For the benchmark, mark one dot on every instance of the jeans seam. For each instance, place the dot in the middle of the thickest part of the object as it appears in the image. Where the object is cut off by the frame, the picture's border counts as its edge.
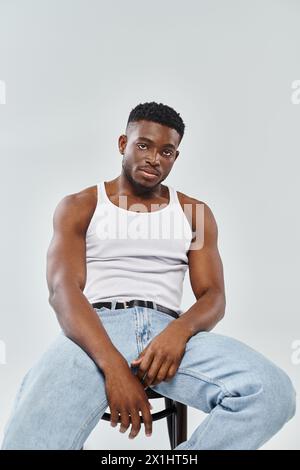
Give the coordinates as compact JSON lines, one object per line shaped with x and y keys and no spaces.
{"x":149,"y":334}
{"x":209,"y":418}
{"x":90,"y":418}
{"x":139,"y":341}
{"x":16,"y":401}
{"x":24,"y":380}
{"x":205,"y":378}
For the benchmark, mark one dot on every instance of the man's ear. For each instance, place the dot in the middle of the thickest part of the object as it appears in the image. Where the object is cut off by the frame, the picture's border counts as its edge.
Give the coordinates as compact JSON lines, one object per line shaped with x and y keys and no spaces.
{"x":122,"y":143}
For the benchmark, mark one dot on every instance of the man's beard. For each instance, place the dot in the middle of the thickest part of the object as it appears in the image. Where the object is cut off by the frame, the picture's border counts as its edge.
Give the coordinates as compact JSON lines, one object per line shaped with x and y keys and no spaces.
{"x":140,"y":188}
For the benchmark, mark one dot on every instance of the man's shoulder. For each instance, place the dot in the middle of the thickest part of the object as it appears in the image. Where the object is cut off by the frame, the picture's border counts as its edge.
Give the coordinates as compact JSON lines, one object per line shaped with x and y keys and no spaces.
{"x":81,"y":199}
{"x":188,"y":199}
{"x":194,"y":203}
{"x":77,"y":207}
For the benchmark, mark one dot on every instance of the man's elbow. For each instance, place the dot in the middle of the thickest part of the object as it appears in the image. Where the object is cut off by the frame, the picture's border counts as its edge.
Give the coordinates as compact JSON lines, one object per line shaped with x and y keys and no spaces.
{"x":219,"y":303}
{"x":222,"y":305}
{"x":52,"y":296}
{"x":55,"y":289}
{"x":62,"y":287}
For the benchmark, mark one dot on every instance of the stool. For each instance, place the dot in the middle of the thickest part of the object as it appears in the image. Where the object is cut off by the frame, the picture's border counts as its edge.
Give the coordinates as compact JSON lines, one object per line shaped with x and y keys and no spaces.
{"x":176,"y":414}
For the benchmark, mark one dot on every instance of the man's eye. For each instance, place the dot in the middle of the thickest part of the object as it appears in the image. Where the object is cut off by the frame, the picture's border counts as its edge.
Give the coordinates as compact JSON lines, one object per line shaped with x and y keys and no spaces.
{"x":169,"y":152}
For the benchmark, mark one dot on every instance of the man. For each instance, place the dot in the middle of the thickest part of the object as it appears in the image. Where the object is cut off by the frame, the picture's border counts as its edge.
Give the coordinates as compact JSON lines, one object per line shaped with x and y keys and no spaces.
{"x":117,"y":298}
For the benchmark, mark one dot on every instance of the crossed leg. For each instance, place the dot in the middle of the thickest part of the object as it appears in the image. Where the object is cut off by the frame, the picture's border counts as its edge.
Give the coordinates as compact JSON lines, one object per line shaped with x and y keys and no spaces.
{"x":248,"y":398}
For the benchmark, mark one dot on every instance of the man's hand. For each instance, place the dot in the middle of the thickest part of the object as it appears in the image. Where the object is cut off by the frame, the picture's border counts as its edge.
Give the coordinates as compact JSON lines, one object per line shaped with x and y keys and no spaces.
{"x":161,"y":358}
{"x":127,"y":398}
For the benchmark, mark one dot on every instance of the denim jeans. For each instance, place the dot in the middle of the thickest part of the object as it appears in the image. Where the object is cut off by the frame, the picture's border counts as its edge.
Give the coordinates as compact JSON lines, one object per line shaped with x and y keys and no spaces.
{"x":62,"y":396}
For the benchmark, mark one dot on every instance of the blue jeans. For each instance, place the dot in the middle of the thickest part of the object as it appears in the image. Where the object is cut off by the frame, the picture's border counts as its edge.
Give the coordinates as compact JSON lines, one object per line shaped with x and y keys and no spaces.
{"x":62,"y":397}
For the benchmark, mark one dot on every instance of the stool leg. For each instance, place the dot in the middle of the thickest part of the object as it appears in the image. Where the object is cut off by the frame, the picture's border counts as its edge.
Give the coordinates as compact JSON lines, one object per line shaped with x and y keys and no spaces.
{"x":170,"y":422}
{"x":177,"y":423}
{"x":181,"y":423}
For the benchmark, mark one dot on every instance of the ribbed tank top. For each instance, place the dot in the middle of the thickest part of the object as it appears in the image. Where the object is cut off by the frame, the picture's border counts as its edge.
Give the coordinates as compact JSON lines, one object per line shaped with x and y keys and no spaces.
{"x":137,"y":255}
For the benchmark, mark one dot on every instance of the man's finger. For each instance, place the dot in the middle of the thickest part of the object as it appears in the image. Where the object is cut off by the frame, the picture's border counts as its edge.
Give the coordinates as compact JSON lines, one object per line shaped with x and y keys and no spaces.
{"x":136,"y":361}
{"x":171,"y":372}
{"x":145,"y":364}
{"x":161,"y":373}
{"x":147,"y":418}
{"x":152,"y":371}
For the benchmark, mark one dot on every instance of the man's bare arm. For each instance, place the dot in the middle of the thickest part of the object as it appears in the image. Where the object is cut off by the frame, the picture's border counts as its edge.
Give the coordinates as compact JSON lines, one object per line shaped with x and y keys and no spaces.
{"x":206,"y":276}
{"x":66,"y":277}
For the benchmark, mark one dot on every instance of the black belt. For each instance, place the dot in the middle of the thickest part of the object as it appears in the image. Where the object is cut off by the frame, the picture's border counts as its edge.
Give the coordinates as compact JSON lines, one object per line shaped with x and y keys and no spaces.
{"x":141,"y":303}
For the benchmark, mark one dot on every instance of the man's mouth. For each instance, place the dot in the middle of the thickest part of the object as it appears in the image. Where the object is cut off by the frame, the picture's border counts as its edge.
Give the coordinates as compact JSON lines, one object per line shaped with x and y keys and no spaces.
{"x":149,"y":175}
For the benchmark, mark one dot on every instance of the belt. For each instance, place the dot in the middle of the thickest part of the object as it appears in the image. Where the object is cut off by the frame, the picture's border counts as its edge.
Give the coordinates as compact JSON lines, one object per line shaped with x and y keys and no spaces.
{"x":137,"y":302}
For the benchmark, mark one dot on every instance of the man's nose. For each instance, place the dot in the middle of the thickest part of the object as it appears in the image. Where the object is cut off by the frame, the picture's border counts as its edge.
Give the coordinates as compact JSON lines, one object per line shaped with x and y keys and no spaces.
{"x":154,"y":158}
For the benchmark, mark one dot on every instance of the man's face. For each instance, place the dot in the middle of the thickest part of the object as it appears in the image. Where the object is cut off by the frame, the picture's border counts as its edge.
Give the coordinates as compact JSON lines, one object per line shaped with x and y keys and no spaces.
{"x":150,"y":145}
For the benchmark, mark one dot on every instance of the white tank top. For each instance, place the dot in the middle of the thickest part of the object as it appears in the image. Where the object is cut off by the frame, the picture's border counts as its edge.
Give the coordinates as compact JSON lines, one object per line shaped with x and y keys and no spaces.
{"x":137,"y":255}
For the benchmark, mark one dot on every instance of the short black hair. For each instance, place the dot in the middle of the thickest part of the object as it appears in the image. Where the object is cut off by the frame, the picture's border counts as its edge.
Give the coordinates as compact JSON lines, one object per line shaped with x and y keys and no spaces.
{"x":157,"y":112}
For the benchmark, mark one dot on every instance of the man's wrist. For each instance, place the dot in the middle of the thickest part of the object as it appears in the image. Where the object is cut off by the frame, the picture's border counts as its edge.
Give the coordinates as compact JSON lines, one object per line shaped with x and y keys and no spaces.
{"x":183,"y":328}
{"x":111,"y":362}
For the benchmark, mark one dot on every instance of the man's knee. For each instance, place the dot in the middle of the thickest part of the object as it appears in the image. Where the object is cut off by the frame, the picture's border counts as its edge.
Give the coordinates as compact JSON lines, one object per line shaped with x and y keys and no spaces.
{"x":274,"y":395}
{"x":280,"y":394}
{"x":266,"y":388}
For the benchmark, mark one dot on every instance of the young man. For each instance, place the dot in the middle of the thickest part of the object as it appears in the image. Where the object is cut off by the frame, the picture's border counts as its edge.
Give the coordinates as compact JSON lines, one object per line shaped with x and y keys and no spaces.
{"x":115,"y":284}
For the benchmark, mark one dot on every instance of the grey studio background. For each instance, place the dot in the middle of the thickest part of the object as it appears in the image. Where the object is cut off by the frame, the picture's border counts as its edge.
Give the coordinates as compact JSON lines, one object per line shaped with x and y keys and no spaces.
{"x":70,"y":73}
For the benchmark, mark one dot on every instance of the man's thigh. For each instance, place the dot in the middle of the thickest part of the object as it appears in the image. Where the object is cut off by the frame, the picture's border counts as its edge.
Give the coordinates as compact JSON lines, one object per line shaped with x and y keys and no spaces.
{"x":60,"y":398}
{"x":215,"y":366}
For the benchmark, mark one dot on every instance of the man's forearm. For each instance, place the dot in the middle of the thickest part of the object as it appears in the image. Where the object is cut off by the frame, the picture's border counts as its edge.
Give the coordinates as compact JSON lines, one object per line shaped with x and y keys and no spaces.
{"x":203,"y":315}
{"x":81,"y":323}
